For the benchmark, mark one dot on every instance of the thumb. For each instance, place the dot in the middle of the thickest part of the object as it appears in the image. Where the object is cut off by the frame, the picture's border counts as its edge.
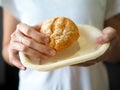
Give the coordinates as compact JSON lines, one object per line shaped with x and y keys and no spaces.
{"x":108,"y":35}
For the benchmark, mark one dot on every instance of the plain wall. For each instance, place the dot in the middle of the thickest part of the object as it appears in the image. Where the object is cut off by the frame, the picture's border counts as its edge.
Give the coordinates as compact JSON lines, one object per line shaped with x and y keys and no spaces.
{"x":2,"y":64}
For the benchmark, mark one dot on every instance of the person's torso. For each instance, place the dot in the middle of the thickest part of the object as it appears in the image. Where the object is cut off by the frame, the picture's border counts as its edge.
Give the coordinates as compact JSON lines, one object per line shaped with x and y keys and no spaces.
{"x":80,"y":11}
{"x":90,"y":12}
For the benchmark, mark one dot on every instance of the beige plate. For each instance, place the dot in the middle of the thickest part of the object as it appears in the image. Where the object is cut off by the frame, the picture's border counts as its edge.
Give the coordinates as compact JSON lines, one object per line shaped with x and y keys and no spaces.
{"x":85,"y":49}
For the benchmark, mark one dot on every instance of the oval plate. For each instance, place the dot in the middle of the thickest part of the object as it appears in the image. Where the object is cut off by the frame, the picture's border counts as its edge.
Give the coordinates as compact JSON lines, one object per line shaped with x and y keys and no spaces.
{"x":85,"y":49}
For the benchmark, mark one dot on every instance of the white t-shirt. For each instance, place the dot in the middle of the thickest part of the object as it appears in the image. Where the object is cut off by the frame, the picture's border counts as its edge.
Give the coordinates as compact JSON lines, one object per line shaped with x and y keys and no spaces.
{"x":92,"y":12}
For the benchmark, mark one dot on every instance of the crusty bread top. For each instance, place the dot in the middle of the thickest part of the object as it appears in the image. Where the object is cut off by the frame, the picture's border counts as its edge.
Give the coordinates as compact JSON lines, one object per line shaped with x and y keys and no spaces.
{"x":62,"y":32}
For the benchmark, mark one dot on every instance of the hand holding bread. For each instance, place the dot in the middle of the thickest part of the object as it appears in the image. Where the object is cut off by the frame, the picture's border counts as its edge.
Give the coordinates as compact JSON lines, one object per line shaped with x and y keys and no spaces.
{"x":74,"y":44}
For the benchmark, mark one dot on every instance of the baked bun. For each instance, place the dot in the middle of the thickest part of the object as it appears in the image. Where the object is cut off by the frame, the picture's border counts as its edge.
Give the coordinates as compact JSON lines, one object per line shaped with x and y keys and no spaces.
{"x":62,"y":32}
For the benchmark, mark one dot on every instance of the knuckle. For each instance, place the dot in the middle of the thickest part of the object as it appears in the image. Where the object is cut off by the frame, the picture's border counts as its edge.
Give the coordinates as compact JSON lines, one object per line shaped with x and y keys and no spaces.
{"x":30,"y":42}
{"x":24,"y":28}
{"x":27,"y":30}
{"x":24,"y":48}
{"x":19,"y":26}
{"x":12,"y":35}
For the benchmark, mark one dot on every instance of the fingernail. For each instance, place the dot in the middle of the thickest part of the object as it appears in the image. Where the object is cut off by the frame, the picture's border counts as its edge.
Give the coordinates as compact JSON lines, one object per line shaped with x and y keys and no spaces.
{"x":17,"y":26}
{"x":23,"y":68}
{"x":100,"y":40}
{"x":52,"y":52}
{"x":46,"y":40}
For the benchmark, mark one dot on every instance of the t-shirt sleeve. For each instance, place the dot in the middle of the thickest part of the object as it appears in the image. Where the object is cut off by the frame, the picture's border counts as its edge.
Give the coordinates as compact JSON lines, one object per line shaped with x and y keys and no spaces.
{"x":113,"y":8}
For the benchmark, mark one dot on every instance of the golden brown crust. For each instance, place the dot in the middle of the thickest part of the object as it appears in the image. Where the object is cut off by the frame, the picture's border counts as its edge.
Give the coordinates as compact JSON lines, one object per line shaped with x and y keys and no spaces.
{"x":62,"y":32}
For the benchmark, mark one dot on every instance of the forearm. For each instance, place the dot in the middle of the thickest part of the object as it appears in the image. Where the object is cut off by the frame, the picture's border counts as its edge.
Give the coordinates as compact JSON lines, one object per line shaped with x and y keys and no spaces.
{"x":5,"y":53}
{"x":9,"y":25}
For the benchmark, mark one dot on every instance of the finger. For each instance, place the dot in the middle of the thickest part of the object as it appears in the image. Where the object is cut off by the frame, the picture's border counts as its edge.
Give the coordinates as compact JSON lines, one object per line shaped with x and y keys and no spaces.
{"x":35,"y":60}
{"x":86,"y":64}
{"x":108,"y":35}
{"x":14,"y":60}
{"x":37,"y":27}
{"x":35,"y":45}
{"x":32,"y":33}
{"x":28,"y":51}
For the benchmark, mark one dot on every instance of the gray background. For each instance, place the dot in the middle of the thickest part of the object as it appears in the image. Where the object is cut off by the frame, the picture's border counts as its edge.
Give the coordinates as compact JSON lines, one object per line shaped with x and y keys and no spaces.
{"x":2,"y":65}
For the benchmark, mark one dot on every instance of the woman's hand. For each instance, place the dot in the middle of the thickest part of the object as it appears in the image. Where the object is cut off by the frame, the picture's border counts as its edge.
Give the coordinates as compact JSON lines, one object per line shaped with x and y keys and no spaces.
{"x":112,"y":54}
{"x":31,"y":42}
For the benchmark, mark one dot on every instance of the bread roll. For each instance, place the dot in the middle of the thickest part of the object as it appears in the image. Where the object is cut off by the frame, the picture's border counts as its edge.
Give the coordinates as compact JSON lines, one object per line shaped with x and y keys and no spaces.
{"x":62,"y":32}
